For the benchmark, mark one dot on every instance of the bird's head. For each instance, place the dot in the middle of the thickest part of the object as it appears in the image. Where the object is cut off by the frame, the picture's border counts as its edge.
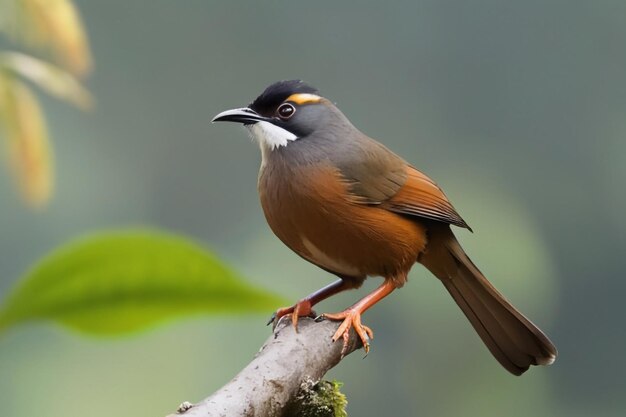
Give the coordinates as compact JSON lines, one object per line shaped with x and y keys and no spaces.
{"x":286,"y":111}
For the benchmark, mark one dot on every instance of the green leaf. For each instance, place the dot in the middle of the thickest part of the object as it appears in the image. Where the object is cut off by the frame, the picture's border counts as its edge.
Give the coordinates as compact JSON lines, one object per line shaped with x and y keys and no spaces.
{"x":118,"y":282}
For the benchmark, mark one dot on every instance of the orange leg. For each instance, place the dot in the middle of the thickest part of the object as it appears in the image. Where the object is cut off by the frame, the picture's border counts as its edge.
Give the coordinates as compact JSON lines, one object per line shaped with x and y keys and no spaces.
{"x":352,"y":317}
{"x":303,"y":308}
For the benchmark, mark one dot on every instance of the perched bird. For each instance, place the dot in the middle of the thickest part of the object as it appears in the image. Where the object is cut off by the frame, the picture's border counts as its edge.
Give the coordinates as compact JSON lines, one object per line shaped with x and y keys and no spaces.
{"x":349,"y":205}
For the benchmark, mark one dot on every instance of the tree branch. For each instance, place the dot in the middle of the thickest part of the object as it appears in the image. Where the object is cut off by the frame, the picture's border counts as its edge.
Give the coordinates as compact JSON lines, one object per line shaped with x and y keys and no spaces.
{"x":270,"y":384}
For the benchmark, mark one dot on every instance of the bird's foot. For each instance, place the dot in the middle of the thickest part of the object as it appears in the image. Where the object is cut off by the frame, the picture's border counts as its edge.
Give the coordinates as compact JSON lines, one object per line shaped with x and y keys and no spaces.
{"x":351,"y":319}
{"x":302,"y":308}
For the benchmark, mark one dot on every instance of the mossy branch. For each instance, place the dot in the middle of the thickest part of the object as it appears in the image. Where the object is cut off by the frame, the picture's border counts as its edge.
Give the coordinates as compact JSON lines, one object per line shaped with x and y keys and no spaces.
{"x":284,"y":377}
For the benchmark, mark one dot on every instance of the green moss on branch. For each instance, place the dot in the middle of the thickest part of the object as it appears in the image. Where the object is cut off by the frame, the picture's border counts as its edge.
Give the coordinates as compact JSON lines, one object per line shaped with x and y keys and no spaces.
{"x":322,"y":399}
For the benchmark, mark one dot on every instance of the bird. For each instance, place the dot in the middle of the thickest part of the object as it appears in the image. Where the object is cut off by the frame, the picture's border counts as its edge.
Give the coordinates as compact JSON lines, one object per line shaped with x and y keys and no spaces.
{"x":349,"y":205}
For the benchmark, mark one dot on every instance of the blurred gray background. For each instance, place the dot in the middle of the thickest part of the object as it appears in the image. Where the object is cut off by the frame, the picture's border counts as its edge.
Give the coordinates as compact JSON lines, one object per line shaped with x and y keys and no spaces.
{"x":517,"y":109}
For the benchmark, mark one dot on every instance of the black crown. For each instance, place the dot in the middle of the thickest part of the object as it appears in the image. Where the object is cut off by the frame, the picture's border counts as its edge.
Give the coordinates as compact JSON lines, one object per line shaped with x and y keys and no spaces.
{"x":278,"y":92}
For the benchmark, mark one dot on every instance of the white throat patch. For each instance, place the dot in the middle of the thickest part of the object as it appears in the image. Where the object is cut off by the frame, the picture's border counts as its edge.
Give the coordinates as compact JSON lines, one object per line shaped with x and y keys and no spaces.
{"x":269,"y":135}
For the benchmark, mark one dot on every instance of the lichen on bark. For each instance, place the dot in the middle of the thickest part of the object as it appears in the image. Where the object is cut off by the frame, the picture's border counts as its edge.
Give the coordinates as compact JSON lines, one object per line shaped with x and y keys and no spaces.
{"x":321,"y":399}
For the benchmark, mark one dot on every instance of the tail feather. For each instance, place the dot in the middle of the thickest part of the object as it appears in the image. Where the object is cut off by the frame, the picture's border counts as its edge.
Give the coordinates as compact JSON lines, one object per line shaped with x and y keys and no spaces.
{"x":482,"y":328}
{"x":512,"y":339}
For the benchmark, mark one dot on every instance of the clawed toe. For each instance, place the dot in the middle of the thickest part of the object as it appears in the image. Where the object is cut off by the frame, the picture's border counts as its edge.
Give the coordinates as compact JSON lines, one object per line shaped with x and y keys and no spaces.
{"x":272,"y":319}
{"x":301,"y":309}
{"x":351,"y":319}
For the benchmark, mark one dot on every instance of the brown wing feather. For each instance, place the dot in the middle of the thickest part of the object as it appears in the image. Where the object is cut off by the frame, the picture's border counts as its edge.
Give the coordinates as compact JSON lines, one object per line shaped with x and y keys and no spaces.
{"x":377,"y":176}
{"x":373,"y":173}
{"x":420,"y":196}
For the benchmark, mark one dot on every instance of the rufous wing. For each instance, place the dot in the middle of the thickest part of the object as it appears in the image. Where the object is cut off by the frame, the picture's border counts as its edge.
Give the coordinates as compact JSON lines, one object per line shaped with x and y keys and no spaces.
{"x":420,"y":196}
{"x":377,"y":176}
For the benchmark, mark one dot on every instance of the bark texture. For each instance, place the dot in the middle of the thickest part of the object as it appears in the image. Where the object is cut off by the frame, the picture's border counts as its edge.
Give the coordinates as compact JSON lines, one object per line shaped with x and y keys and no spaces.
{"x":271,"y":384}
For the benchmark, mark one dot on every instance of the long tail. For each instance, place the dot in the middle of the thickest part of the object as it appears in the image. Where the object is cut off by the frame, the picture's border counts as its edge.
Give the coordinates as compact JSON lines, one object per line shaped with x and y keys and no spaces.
{"x":513,"y":339}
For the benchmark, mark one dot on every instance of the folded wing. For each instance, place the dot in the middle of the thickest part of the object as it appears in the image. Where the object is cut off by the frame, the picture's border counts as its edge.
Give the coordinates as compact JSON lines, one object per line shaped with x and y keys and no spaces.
{"x":377,"y":176}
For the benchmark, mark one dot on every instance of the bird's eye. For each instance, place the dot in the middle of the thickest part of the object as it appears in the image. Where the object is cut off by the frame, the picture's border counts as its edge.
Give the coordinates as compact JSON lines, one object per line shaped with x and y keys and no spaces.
{"x":285,"y":111}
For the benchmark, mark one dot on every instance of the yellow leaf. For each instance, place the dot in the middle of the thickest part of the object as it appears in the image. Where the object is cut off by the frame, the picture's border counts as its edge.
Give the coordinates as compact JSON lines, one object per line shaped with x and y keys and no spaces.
{"x":52,"y":79}
{"x":57,"y":23}
{"x":29,"y":151}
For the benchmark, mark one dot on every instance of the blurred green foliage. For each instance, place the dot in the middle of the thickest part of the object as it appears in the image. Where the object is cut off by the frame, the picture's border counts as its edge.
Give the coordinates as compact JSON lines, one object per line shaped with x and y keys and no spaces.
{"x":118,"y":282}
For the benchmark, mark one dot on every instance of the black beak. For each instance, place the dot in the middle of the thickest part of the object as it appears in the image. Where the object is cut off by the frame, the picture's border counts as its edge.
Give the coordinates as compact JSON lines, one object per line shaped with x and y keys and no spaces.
{"x":244,"y":115}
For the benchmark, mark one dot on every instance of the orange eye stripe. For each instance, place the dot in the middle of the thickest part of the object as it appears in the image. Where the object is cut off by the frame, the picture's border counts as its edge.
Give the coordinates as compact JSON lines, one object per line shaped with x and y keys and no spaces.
{"x":303,"y":98}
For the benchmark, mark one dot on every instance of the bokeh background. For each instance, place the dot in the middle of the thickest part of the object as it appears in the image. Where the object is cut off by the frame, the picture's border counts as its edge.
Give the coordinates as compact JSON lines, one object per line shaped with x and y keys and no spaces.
{"x":517,"y":109}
